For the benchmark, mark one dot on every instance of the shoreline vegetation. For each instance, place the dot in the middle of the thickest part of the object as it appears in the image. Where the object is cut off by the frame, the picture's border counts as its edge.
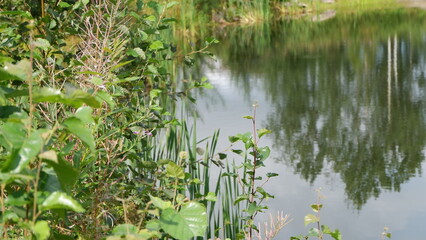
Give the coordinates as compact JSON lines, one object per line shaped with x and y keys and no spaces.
{"x":90,"y":143}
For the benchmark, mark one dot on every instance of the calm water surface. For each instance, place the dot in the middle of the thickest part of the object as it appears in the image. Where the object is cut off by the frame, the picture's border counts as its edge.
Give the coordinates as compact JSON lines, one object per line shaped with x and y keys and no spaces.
{"x":346,"y":101}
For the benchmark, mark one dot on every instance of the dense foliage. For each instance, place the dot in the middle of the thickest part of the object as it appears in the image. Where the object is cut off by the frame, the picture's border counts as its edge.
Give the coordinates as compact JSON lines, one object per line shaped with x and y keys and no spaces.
{"x":84,"y":90}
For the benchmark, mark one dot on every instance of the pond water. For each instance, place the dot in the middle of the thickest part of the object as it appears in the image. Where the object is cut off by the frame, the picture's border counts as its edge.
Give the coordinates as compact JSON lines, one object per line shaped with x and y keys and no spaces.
{"x":346,"y":101}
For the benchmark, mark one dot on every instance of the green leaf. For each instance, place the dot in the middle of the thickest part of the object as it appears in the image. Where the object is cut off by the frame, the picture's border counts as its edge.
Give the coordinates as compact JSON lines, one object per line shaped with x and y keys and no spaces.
{"x":153,"y":225}
{"x":66,"y":173}
{"x":154,"y":93}
{"x":17,"y":199}
{"x":6,"y":178}
{"x":60,"y":200}
{"x":310,"y":218}
{"x":211,"y":40}
{"x":314,"y":232}
{"x":233,"y":139}
{"x":173,"y":170}
{"x":96,"y":80}
{"x":248,"y":117}
{"x":12,"y":135}
{"x":104,"y":96}
{"x":124,"y":229}
{"x":136,"y":52}
{"x":29,"y":150}
{"x":300,"y":237}
{"x":152,"y":69}
{"x":76,"y":98}
{"x":85,"y":114}
{"x":240,"y":198}
{"x":211,"y":197}
{"x":20,"y":71}
{"x":269,"y":175}
{"x":253,"y":208}
{"x":189,"y":222}
{"x":8,"y":111}
{"x":41,"y":230}
{"x":47,"y":95}
{"x":334,"y":234}
{"x":158,"y":202}
{"x":4,"y":75}
{"x":42,"y":43}
{"x":316,"y":207}
{"x":121,"y":64}
{"x":78,"y":128}
{"x":171,"y":4}
{"x":156,"y":45}
{"x":262,"y":132}
{"x":265,"y":194}
{"x":264,"y":153}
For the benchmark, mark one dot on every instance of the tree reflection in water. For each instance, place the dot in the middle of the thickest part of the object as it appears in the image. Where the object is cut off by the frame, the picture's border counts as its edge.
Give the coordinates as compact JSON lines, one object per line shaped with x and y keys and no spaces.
{"x":348,"y":94}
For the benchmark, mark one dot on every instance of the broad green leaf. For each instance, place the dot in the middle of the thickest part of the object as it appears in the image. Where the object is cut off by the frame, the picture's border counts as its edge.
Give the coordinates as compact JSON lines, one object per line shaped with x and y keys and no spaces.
{"x":173,"y":170}
{"x":264,"y":153}
{"x":233,"y":139}
{"x":190,"y":221}
{"x":161,"y":204}
{"x":153,"y":225}
{"x":334,"y":234}
{"x":21,"y":13}
{"x":154,"y":93}
{"x":28,"y":151}
{"x":60,"y":200}
{"x":211,"y":40}
{"x":316,"y":207}
{"x":211,"y":197}
{"x":104,"y":96}
{"x":41,"y":230}
{"x":265,"y":194}
{"x":78,"y":128}
{"x":313,"y":232}
{"x":240,"y":198}
{"x":150,"y":18}
{"x":253,"y":208}
{"x":12,"y":135}
{"x":152,"y":69}
{"x":17,"y":199}
{"x":47,"y":95}
{"x":156,"y":45}
{"x":85,"y":114}
{"x":96,"y":80}
{"x":262,"y":132}
{"x":171,"y":4}
{"x":124,"y":229}
{"x":6,"y":178}
{"x":300,"y":237}
{"x":5,"y":75}
{"x":7,"y":111}
{"x":269,"y":175}
{"x":10,"y":215}
{"x":20,"y":71}
{"x":67,"y":175}
{"x":310,"y":218}
{"x":42,"y":43}
{"x":77,"y":98}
